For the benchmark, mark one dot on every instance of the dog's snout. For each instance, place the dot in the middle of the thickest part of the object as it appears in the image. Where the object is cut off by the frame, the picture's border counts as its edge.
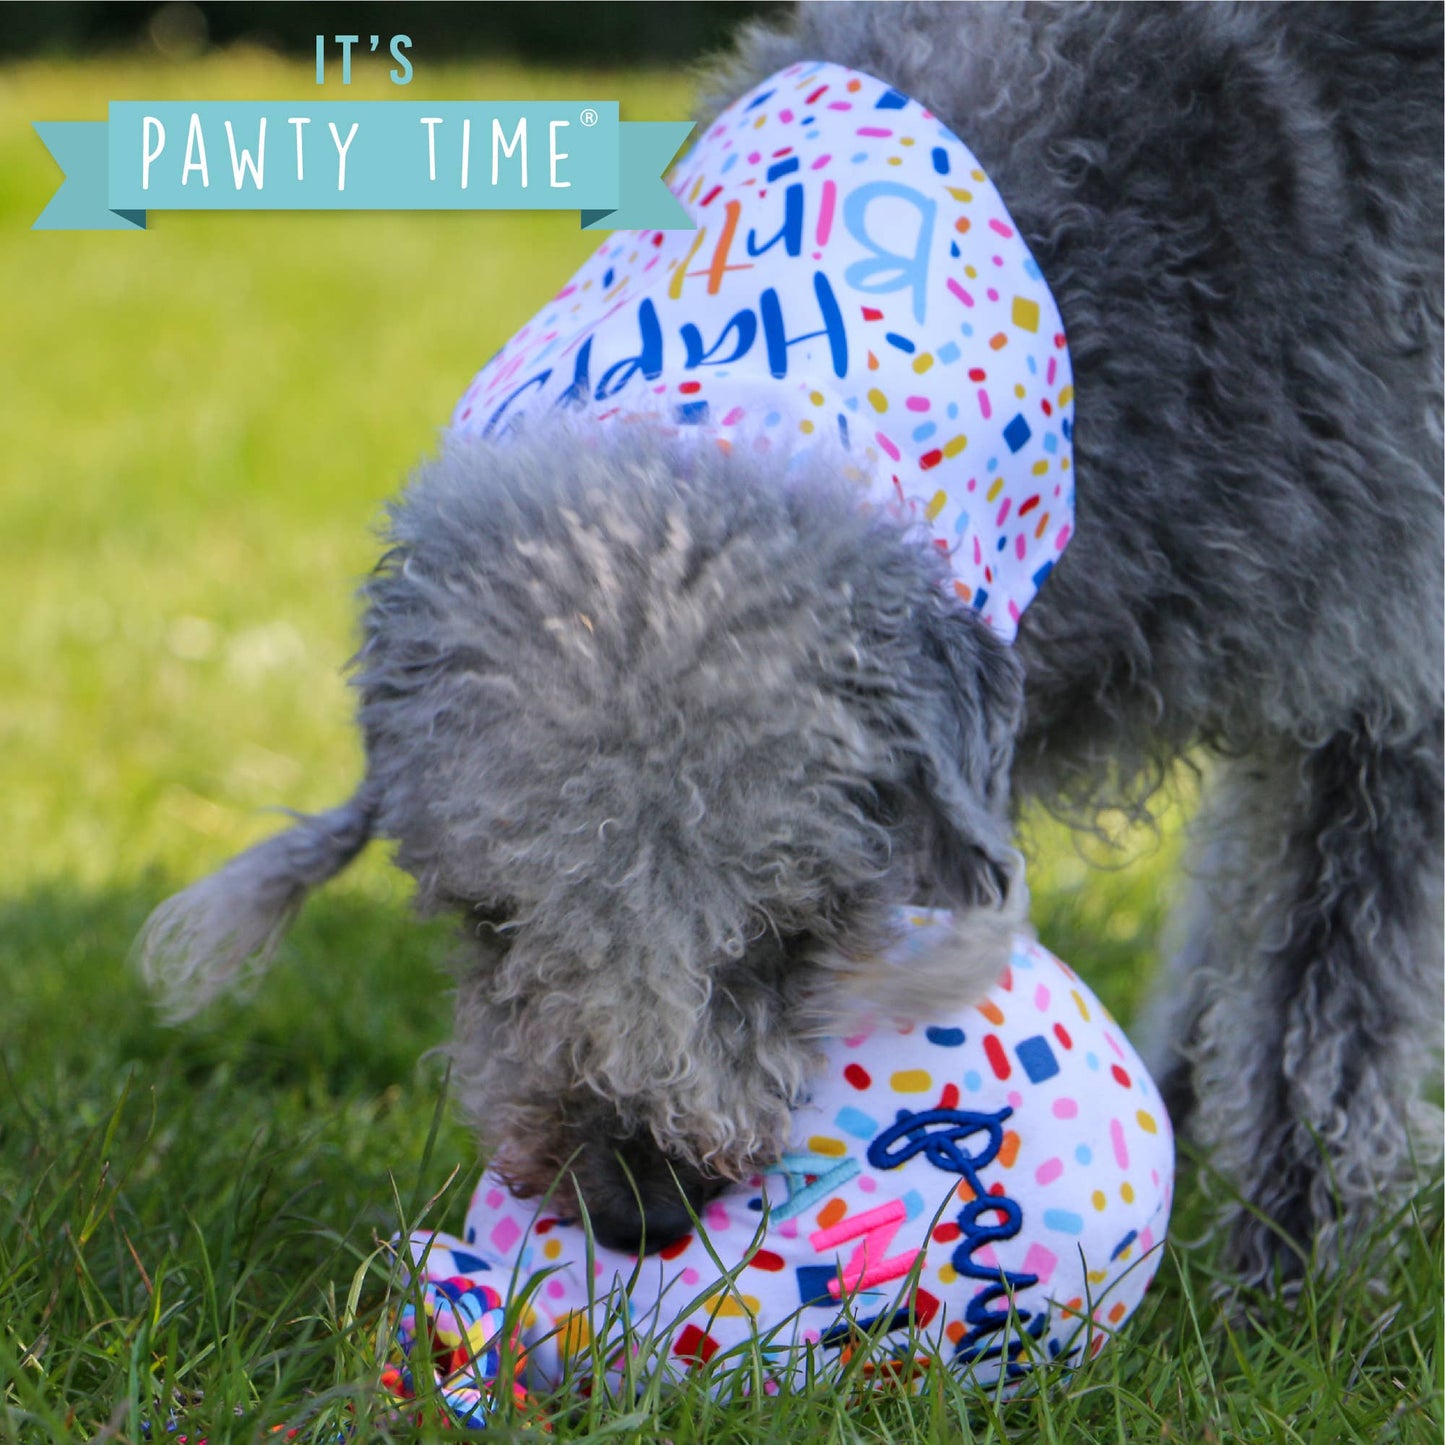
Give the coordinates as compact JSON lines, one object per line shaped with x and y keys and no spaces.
{"x":639,"y":1199}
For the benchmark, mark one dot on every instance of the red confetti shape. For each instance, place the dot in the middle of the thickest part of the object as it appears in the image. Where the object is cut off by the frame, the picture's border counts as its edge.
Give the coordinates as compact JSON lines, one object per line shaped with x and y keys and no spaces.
{"x":858,"y":1076}
{"x":676,"y":1247}
{"x":949,"y":1098}
{"x":1121,"y":1076}
{"x":1062,"y":1035}
{"x":766,"y":1259}
{"x":929,"y":460}
{"x":997,"y":1059}
{"x":692,"y":1344}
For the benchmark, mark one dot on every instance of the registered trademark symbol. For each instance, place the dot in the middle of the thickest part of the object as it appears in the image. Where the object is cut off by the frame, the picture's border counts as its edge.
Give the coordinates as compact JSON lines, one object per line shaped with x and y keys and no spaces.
{"x":589,"y":116}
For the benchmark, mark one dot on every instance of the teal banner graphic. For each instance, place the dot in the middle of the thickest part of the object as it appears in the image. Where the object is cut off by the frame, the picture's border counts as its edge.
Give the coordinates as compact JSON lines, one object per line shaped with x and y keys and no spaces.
{"x":380,"y":155}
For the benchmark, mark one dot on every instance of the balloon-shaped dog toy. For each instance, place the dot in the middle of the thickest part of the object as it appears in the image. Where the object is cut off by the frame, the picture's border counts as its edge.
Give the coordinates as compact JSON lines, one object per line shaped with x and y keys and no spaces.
{"x":992,"y":1189}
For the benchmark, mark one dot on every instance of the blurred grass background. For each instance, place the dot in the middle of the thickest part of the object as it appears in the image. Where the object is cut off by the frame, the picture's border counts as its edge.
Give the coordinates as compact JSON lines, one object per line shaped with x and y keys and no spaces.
{"x":198,"y":427}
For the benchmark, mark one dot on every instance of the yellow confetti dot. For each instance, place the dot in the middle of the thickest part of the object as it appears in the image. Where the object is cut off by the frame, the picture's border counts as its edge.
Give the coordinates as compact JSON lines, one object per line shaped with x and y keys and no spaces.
{"x":947,"y":1274}
{"x":971,"y":272}
{"x":911,"y":1081}
{"x":905,"y":140}
{"x":552,"y":1248}
{"x":821,"y":1144}
{"x":895,"y":160}
{"x":805,"y":427}
{"x":1146,"y":1121}
{"x":954,"y":445}
{"x":936,"y":503}
{"x":1039,"y":467}
{"x":1064,"y":465}
{"x":573,"y":1333}
{"x":977,"y":175}
{"x":877,"y":400}
{"x":1066,"y":396}
{"x":922,"y":362}
{"x":1025,"y":314}
{"x":959,"y":194}
{"x":1079,"y":1004}
{"x":731,"y":1305}
{"x":995,"y":489}
{"x":1099,"y":1200}
{"x":1126,"y":1192}
{"x":816,"y":397}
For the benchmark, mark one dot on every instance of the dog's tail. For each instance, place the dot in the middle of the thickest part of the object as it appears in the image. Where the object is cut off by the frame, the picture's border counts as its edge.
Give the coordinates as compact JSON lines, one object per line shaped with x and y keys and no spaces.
{"x":226,"y":927}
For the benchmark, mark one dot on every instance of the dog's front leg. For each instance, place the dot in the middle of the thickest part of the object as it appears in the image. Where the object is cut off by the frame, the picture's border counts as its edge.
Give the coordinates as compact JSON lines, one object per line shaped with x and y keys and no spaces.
{"x":1304,"y":1025}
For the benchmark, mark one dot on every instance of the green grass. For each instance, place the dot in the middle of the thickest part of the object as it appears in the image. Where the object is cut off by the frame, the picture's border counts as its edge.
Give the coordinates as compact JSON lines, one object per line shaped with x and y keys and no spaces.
{"x":197,"y":427}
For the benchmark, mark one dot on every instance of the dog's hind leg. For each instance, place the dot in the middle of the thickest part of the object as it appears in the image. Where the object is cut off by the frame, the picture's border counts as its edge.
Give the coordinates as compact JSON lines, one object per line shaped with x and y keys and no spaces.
{"x":1306,"y":999}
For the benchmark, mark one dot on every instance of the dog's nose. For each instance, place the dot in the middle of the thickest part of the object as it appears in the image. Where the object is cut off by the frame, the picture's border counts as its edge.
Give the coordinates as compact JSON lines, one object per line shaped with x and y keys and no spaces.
{"x":658,"y":1223}
{"x":638,"y":1198}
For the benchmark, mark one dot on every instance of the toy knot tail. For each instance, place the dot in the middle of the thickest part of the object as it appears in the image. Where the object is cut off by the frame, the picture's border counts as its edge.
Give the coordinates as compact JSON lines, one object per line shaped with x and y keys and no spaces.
{"x":208,"y":938}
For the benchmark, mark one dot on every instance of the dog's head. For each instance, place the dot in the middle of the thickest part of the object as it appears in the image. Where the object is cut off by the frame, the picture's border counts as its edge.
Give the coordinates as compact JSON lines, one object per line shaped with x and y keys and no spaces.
{"x":675,"y":735}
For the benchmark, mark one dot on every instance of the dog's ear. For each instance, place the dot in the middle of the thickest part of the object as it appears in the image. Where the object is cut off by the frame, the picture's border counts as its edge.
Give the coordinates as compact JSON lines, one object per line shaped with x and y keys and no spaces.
{"x":966,"y":713}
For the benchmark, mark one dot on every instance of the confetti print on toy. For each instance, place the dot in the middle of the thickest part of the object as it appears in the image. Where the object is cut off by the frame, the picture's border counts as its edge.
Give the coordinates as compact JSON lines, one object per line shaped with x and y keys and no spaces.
{"x":854,"y":278}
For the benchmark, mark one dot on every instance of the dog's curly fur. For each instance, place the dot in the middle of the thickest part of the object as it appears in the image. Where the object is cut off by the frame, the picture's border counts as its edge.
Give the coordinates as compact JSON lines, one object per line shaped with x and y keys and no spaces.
{"x":681,"y":735}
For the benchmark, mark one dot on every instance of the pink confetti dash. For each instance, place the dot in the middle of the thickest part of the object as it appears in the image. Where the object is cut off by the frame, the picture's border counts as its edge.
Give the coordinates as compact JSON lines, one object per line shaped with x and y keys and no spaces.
{"x":999,"y":227}
{"x":959,"y":292}
{"x":887,"y":446}
{"x":1062,"y":540}
{"x":983,"y":404}
{"x":825,"y":214}
{"x":820,"y":163}
{"x":1121,"y":1150}
{"x":874,"y":130}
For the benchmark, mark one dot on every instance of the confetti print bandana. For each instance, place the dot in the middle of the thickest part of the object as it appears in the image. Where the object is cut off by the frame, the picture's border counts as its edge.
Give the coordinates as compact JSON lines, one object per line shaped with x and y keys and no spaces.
{"x":854,"y":278}
{"x":991,"y":1190}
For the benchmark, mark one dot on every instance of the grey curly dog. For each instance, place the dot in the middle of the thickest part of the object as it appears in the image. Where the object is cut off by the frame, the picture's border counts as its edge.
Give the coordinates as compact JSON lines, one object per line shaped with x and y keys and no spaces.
{"x":676,"y":832}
